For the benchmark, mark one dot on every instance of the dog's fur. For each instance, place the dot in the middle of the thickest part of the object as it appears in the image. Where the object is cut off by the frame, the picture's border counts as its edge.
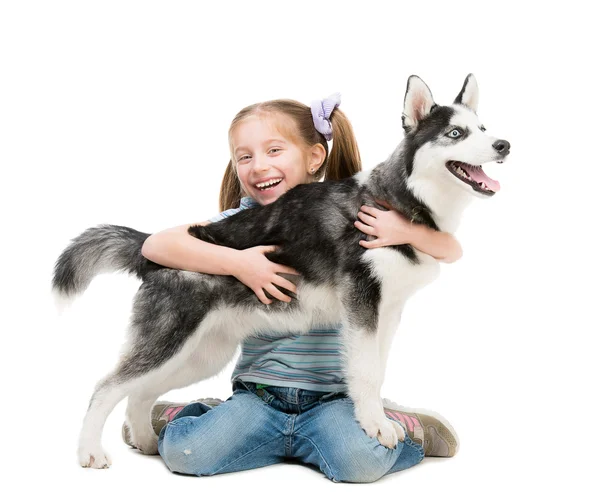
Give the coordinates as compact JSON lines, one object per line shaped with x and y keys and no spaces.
{"x":186,"y":326}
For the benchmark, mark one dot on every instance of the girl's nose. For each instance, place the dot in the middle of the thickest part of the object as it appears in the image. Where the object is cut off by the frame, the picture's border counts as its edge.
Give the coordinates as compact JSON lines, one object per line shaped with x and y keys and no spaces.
{"x":260,"y":164}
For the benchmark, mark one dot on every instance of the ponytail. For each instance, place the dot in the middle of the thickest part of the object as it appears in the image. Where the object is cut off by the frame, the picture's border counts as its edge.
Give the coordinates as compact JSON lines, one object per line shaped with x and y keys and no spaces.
{"x":231,"y":189}
{"x":344,"y":159}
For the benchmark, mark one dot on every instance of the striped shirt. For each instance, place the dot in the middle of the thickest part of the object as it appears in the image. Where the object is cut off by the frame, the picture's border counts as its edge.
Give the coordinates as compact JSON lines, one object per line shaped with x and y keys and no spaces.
{"x":310,"y":361}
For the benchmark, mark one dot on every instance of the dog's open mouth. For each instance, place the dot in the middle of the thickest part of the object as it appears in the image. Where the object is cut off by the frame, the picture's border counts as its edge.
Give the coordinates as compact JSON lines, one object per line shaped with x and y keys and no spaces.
{"x":474,"y":176}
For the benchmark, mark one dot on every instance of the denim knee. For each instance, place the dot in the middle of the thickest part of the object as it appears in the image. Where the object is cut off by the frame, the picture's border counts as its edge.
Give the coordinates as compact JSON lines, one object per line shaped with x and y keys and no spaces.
{"x":360,"y":466}
{"x":179,"y":449}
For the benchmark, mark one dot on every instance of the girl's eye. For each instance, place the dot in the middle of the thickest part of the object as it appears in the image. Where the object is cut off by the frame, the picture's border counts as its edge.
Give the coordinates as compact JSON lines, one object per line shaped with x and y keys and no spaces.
{"x":275,"y":150}
{"x":454,"y":133}
{"x":243,"y":157}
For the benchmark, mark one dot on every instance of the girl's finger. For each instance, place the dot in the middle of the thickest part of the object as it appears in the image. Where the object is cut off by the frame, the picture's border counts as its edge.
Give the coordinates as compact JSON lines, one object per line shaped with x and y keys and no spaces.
{"x":367,"y":218}
{"x":262,"y":297}
{"x":284,"y":283}
{"x":370,"y":244}
{"x":365,"y":229}
{"x":369,"y":210}
{"x":268,"y":249}
{"x":277,"y":294}
{"x":287,"y":270}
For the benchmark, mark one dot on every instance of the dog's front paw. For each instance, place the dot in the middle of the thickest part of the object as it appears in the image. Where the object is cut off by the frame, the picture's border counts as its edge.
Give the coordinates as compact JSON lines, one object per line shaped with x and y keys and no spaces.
{"x":94,"y":458}
{"x":377,"y":425}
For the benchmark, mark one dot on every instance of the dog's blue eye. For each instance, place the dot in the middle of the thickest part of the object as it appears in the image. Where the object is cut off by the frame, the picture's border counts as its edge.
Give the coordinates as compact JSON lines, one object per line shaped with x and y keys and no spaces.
{"x":454,"y":133}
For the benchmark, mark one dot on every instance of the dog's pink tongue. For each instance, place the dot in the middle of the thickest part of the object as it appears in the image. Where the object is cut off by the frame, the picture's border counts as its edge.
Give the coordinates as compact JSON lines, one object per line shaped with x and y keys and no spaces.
{"x":478,"y":175}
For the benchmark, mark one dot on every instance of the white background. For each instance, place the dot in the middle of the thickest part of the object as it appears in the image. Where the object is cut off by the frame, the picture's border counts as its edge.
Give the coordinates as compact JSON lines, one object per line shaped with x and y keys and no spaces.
{"x":117,"y":112}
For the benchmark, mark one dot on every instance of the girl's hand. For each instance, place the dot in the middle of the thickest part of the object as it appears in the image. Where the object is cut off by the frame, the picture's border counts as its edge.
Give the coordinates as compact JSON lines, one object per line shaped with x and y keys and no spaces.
{"x":260,"y":274}
{"x":391,"y":228}
{"x":388,"y":227}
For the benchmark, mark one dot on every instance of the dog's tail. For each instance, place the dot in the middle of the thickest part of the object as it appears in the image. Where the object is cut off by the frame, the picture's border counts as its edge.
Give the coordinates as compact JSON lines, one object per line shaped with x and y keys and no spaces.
{"x":105,"y":248}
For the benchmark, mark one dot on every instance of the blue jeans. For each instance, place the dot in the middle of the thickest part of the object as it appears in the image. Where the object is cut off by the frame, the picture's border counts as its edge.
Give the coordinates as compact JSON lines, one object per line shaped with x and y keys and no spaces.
{"x":259,"y":427}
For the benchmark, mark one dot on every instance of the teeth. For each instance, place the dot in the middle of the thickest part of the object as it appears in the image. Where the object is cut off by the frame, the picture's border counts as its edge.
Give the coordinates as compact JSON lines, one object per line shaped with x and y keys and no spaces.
{"x":461,"y":172}
{"x":268,"y":183}
{"x":466,"y":175}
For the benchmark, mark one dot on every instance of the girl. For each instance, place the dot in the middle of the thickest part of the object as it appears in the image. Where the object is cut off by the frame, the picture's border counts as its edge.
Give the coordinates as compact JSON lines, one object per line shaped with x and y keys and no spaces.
{"x":288,"y":399}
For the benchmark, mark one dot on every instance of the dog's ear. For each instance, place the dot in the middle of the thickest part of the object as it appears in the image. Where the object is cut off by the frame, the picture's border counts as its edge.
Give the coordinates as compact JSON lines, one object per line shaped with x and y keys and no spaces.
{"x":418,"y":103}
{"x":469,"y":94}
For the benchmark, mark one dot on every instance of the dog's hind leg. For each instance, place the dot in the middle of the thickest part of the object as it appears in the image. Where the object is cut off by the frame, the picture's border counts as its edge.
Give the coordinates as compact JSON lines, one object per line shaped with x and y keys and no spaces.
{"x":166,"y":331}
{"x":143,"y":387}
{"x":130,"y":378}
{"x":136,"y":374}
{"x":205,"y":359}
{"x":108,"y":393}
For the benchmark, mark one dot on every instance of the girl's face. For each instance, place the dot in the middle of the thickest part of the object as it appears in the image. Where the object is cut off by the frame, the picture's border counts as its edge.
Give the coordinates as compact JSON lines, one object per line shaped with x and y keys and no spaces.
{"x":269,"y":164}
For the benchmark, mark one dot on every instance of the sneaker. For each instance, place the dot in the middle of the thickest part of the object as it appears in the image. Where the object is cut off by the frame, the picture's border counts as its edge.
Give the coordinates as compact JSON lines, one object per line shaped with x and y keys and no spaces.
{"x":426,"y":428}
{"x":163,"y":412}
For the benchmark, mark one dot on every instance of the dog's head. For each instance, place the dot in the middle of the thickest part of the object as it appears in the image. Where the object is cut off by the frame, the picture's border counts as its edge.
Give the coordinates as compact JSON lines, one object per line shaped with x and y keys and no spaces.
{"x":449,"y":143}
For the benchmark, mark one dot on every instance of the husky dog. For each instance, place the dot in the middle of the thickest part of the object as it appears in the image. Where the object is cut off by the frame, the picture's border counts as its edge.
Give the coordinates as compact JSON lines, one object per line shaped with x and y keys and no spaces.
{"x":186,"y":326}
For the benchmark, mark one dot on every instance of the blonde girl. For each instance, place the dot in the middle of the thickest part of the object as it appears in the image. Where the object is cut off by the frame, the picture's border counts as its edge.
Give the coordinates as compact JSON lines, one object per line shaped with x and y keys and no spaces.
{"x":289,"y":398}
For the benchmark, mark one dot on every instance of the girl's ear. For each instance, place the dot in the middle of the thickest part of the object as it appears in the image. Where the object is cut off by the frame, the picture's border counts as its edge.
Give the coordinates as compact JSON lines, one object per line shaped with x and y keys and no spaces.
{"x":317,"y":157}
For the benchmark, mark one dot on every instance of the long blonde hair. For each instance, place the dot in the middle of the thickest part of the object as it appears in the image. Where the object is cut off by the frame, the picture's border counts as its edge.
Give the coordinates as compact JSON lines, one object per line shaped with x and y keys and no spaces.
{"x":344,"y":160}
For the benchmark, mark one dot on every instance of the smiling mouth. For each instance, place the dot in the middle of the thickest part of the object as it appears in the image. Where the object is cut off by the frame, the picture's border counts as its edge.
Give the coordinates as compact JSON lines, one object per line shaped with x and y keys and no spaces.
{"x":269,"y":185}
{"x":473,"y":176}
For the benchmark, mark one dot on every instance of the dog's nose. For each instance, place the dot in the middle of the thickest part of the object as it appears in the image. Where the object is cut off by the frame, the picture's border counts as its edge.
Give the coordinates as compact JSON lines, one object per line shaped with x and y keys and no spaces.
{"x":502,"y":146}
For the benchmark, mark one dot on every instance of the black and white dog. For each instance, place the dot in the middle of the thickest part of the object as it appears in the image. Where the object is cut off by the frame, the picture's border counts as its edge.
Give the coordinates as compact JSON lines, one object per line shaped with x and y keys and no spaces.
{"x":186,"y":326}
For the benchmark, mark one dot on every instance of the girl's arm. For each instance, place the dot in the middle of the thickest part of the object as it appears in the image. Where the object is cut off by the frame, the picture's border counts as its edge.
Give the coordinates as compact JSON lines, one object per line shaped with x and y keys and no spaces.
{"x":175,"y":248}
{"x":391,"y":228}
{"x":441,"y":245}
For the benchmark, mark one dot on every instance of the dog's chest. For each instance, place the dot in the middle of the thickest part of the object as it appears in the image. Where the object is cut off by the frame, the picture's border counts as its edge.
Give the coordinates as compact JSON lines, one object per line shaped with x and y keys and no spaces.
{"x":399,"y":277}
